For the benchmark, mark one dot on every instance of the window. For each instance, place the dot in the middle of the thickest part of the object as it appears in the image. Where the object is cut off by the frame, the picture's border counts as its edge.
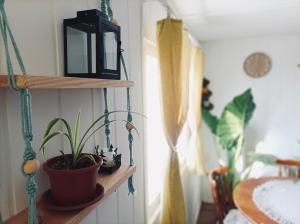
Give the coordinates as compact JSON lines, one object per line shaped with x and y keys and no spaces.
{"x":156,"y":146}
{"x":155,"y":142}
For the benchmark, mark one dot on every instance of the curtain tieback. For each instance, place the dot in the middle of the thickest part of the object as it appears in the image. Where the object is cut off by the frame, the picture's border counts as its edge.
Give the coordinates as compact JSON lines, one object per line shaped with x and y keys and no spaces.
{"x":174,"y":149}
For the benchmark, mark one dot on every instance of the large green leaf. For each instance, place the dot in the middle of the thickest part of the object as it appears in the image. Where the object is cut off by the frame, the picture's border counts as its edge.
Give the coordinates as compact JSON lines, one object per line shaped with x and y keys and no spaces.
{"x":266,"y":159}
{"x":234,"y":119}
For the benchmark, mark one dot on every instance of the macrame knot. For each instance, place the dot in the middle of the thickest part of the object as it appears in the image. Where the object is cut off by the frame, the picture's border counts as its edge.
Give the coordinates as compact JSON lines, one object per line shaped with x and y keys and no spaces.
{"x":28,"y":137}
{"x":129,"y":117}
{"x":109,"y":11}
{"x":107,"y":131}
{"x":130,"y":137}
{"x":31,"y":186}
{"x":29,"y":154}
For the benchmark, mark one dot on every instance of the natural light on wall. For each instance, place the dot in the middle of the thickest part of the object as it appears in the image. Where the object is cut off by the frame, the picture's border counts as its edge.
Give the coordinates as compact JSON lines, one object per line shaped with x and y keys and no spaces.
{"x":156,"y":145}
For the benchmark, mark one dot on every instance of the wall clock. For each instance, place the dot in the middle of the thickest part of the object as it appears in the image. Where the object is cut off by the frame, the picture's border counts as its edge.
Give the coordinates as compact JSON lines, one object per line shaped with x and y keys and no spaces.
{"x":257,"y":65}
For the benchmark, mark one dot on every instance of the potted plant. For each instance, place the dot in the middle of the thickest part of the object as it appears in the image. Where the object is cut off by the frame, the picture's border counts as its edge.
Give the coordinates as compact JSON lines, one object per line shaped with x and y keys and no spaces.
{"x":228,"y":130}
{"x":72,"y":176}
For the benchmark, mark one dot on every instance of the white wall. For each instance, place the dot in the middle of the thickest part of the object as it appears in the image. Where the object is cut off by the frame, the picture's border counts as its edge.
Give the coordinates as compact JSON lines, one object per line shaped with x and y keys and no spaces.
{"x":38,"y":30}
{"x":276,"y":119}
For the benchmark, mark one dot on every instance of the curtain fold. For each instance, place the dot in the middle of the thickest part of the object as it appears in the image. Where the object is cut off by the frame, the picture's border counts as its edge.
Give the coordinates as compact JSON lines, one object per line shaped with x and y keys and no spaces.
{"x":174,"y":57}
{"x":195,"y":158}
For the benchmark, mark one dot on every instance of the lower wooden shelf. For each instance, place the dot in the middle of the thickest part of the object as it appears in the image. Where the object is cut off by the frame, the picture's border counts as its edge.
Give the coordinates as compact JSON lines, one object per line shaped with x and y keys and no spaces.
{"x":110,"y":184}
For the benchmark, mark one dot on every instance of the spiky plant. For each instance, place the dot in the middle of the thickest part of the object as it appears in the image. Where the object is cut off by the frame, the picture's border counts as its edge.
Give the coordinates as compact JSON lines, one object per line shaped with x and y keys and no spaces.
{"x":76,"y":142}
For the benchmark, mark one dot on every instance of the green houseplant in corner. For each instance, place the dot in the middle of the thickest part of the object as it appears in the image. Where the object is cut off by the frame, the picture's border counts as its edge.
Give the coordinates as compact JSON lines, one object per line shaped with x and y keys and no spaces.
{"x":73,"y":176}
{"x":228,"y":130}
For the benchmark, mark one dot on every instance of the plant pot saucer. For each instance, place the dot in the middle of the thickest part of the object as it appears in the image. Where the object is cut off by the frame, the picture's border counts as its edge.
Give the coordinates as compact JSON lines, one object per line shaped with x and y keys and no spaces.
{"x":48,"y":202}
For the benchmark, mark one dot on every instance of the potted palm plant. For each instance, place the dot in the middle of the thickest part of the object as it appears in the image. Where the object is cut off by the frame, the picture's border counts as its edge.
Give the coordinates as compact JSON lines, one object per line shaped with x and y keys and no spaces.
{"x":229,"y":129}
{"x":72,"y":176}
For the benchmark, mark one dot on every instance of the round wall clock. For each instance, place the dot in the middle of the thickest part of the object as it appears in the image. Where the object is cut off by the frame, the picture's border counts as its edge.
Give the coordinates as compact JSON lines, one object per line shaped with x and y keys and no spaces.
{"x":257,"y":64}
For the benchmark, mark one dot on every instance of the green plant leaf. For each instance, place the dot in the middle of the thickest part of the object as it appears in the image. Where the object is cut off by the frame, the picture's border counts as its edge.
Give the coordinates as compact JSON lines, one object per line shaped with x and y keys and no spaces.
{"x":69,"y":130}
{"x":53,"y":122}
{"x":47,"y":139}
{"x":76,"y":144}
{"x":85,"y":139}
{"x":234,"y":119}
{"x":245,"y":173}
{"x":229,"y":128}
{"x":98,"y":120}
{"x":267,"y":159}
{"x":50,"y":126}
{"x":210,"y":120}
{"x":76,"y":134}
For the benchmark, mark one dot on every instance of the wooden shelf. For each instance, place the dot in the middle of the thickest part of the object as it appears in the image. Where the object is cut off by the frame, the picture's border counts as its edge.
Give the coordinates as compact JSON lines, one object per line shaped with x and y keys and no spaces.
{"x":110,"y":184}
{"x":58,"y":82}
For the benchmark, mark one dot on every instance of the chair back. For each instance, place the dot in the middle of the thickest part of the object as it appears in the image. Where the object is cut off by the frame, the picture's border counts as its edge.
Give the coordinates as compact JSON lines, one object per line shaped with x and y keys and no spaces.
{"x":221,"y":192}
{"x":288,"y":168}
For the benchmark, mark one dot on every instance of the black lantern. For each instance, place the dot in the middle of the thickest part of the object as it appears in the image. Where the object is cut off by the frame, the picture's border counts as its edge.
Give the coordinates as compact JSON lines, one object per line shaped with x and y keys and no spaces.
{"x":92,"y":46}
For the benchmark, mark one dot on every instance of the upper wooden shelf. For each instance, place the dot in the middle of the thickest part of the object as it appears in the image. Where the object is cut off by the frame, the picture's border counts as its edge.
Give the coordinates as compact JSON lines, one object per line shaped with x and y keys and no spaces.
{"x":57,"y":82}
{"x":110,"y":184}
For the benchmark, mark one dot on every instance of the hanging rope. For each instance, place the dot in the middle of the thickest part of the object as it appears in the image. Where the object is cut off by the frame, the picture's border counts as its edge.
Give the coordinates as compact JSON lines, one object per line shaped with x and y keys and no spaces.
{"x":106,"y":8}
{"x":109,"y":11}
{"x":106,"y":121}
{"x":129,"y":119}
{"x":25,"y":98}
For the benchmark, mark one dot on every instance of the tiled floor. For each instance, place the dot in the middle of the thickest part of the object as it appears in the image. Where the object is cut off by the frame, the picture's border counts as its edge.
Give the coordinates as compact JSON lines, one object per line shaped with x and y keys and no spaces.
{"x":207,"y":214}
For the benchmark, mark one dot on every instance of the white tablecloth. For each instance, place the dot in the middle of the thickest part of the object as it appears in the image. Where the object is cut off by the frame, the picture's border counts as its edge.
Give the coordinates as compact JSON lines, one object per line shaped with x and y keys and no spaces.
{"x":279,"y":200}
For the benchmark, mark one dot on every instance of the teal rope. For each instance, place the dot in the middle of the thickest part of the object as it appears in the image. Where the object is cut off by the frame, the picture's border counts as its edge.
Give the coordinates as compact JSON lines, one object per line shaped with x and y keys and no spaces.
{"x":103,"y":7}
{"x":106,"y":8}
{"x":109,"y":11}
{"x":129,"y":119}
{"x":25,"y":97}
{"x":106,"y":121}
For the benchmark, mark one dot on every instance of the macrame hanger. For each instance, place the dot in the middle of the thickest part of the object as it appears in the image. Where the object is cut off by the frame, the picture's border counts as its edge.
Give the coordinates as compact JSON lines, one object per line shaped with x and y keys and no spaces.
{"x":109,"y":10}
{"x":106,"y":120}
{"x":129,"y":119}
{"x":106,"y":8}
{"x":26,"y":114}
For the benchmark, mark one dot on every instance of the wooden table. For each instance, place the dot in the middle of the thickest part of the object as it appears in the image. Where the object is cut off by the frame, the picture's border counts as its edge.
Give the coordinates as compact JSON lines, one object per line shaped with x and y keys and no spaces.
{"x":242,"y":197}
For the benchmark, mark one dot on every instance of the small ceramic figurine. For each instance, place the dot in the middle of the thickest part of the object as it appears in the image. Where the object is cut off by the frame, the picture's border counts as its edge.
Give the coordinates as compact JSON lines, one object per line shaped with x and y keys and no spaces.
{"x":111,"y":159}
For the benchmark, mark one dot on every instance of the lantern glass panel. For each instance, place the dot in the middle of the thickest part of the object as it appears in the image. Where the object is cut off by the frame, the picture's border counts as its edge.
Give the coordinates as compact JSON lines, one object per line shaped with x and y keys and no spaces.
{"x":93,"y":52}
{"x":77,"y":51}
{"x":110,"y":50}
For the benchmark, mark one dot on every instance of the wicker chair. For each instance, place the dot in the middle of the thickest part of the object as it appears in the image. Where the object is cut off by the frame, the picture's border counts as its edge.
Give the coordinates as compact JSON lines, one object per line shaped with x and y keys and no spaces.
{"x":288,"y":168}
{"x":222,"y":195}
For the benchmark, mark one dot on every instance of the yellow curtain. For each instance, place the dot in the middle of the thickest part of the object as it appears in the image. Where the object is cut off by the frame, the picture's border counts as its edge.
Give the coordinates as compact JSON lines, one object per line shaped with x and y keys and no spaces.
{"x":195,"y":159}
{"x":174,"y":57}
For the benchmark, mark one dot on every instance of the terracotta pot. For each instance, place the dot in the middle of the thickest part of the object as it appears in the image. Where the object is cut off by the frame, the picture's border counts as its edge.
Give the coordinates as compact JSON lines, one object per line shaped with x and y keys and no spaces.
{"x":72,"y":187}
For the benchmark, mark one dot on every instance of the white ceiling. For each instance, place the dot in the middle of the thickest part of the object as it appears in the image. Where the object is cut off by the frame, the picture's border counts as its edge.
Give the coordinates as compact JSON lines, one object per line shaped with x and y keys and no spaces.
{"x":223,"y":19}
